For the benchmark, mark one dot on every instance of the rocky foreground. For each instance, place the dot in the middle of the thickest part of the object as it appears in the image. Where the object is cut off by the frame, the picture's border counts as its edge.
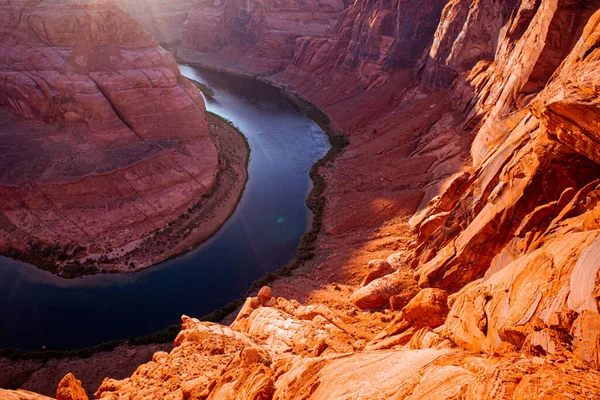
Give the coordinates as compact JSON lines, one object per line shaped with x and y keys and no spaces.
{"x":460,"y":256}
{"x":105,"y":145}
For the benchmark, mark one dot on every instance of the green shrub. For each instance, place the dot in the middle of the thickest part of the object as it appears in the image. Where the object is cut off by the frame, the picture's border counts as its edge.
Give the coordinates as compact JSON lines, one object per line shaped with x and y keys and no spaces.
{"x":206,"y":91}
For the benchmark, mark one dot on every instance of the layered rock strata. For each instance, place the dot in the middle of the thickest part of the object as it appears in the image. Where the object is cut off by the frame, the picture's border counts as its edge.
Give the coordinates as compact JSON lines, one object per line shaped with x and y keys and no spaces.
{"x":104,"y":141}
{"x":255,"y":37}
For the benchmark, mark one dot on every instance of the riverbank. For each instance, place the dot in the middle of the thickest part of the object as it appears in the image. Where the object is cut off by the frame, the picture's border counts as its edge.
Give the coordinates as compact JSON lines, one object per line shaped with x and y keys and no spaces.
{"x":364,"y":212}
{"x":42,"y":375}
{"x":39,"y":370}
{"x":203,"y":219}
{"x":191,"y":224}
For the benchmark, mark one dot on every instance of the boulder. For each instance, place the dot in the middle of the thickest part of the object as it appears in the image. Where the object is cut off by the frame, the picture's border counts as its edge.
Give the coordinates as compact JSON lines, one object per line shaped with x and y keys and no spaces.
{"x":265,"y":294}
{"x":378,"y":292}
{"x":70,"y":388}
{"x":377,"y":269}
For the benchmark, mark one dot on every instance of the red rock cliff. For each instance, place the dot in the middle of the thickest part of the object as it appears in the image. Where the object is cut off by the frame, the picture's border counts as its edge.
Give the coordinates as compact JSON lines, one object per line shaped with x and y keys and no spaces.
{"x":254,"y":37}
{"x":103,"y":139}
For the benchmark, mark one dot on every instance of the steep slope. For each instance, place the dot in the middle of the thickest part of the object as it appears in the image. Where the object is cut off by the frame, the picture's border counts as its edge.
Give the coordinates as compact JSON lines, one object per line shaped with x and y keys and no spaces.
{"x":163,"y":19}
{"x":103,"y":141}
{"x":478,"y":160}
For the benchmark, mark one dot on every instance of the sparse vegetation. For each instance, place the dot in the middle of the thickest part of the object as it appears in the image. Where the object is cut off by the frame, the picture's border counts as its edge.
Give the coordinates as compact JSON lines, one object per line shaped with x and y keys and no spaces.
{"x":206,"y":91}
{"x":45,"y":355}
{"x":315,"y":202}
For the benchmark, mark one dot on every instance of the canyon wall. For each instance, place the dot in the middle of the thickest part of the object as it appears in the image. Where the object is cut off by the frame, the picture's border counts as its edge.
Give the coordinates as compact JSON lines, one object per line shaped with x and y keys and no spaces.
{"x":103,"y":140}
{"x":471,"y":179}
{"x":513,"y":235}
{"x":256,"y":36}
{"x":163,"y":19}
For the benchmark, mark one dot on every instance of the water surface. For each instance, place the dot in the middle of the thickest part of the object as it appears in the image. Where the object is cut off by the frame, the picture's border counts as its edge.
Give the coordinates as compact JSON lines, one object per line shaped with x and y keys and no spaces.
{"x":39,"y":309}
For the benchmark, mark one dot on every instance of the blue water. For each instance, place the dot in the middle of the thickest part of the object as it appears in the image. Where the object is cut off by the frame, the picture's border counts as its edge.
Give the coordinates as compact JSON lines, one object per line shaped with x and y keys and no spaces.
{"x":39,"y":309}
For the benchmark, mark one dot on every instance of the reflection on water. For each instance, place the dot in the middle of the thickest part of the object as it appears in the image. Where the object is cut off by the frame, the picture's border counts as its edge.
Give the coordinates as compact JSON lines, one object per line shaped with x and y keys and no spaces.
{"x":39,"y":309}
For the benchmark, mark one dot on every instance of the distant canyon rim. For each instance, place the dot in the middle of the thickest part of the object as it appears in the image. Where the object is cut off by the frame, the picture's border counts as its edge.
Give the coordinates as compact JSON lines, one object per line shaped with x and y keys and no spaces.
{"x":458,"y":256}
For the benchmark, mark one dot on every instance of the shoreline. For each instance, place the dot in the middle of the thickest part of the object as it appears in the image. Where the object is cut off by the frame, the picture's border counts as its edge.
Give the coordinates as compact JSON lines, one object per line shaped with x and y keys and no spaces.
{"x":315,"y":202}
{"x":202,"y":220}
{"x":232,"y":180}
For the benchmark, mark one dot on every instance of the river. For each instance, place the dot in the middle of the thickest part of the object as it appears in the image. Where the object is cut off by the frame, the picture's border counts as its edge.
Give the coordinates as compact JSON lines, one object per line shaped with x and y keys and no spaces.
{"x":40,"y":309}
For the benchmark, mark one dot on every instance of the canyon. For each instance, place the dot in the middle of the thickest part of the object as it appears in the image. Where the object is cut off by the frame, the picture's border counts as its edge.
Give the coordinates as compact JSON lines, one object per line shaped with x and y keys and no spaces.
{"x":458,"y":256}
{"x":106,"y":146}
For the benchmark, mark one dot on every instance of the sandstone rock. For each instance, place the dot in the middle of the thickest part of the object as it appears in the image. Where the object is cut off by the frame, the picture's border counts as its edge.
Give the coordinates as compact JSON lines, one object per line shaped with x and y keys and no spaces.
{"x":397,"y":260}
{"x":562,"y":320}
{"x":377,"y":293}
{"x":296,"y":329}
{"x":505,"y":349}
{"x":425,"y":338}
{"x":514,"y":335}
{"x":265,"y":294}
{"x":377,"y":269}
{"x":542,"y":343}
{"x":586,"y":338}
{"x":202,"y":351}
{"x":397,"y":302}
{"x":70,"y":388}
{"x":249,"y":376}
{"x":568,"y":105}
{"x":256,"y":36}
{"x":511,"y":233}
{"x":427,"y":309}
{"x":162,"y":19}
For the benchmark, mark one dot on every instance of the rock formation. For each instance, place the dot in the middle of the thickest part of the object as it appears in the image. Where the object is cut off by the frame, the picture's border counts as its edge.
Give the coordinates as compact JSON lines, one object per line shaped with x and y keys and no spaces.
{"x":472,"y":170}
{"x":163,"y":19}
{"x":257,"y":36}
{"x":104,"y":141}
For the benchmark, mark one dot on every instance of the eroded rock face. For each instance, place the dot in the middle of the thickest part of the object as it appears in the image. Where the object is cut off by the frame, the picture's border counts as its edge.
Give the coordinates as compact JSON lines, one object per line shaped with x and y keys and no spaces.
{"x":516,"y":242}
{"x":370,"y":39}
{"x":201,"y":354}
{"x":214,"y":362}
{"x":255,"y":36}
{"x":163,"y":19}
{"x":103,"y":139}
{"x":568,"y":106}
{"x":378,"y":292}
